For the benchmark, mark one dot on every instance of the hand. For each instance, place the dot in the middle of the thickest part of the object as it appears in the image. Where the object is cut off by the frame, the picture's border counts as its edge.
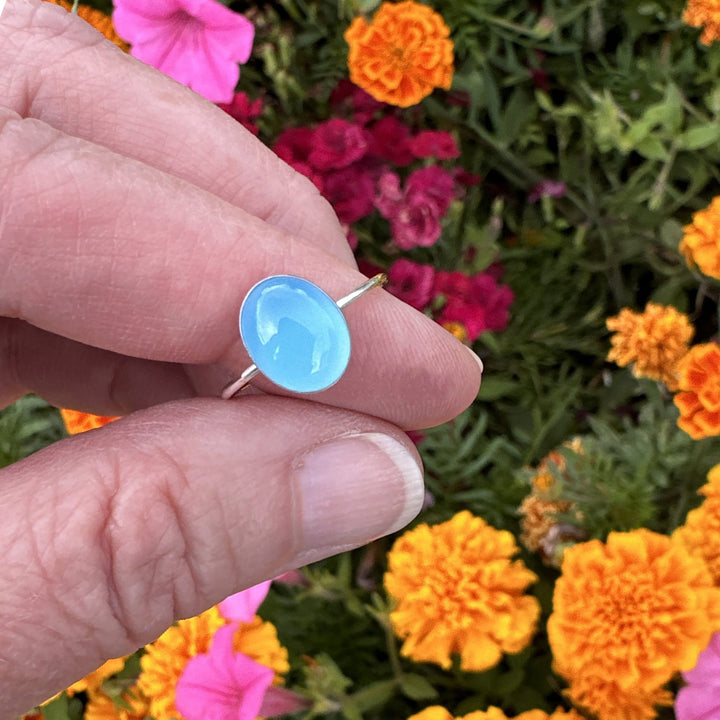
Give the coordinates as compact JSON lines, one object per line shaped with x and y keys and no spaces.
{"x":134,"y":217}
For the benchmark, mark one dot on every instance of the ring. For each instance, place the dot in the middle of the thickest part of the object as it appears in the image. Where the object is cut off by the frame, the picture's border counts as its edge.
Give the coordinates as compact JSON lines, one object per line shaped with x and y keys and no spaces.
{"x":295,"y":333}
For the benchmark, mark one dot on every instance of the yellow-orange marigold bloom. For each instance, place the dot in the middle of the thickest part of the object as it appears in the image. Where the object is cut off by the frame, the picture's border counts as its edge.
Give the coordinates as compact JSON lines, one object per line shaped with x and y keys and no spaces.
{"x":699,"y":13}
{"x":701,"y":532}
{"x":77,"y":422}
{"x":402,"y":55}
{"x":166,"y":658}
{"x":699,"y":396}
{"x":701,"y":241}
{"x":102,"y":707}
{"x":436,"y":712}
{"x":457,"y":590}
{"x":99,"y":20}
{"x":652,"y":342}
{"x":611,"y":702}
{"x":629,"y":614}
{"x":457,"y":329}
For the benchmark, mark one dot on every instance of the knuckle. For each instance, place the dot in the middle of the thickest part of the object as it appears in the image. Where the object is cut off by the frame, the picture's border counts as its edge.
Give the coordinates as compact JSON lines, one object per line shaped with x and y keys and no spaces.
{"x":145,"y":540}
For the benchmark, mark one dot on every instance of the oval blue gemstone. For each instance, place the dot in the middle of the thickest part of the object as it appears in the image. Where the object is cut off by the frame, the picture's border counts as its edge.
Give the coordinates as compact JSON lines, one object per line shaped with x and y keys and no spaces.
{"x":295,"y":333}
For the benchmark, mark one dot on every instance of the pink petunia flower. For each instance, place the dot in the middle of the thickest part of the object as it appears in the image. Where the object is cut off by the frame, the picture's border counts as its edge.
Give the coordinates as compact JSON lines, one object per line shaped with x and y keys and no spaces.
{"x":199,"y":43}
{"x":411,"y":282}
{"x":222,"y":684}
{"x":547,"y":188}
{"x":242,"y":606}
{"x":700,"y":698}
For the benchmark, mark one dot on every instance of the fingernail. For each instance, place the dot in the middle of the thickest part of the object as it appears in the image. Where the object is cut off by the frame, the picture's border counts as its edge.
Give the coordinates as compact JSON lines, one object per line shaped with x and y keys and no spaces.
{"x":476,"y":358}
{"x":355,"y":489}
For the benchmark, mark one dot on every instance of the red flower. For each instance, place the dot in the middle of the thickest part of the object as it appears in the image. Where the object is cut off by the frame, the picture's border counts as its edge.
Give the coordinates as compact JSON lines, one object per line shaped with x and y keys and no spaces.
{"x":411,"y":282}
{"x":392,"y":141}
{"x":350,"y":192}
{"x":244,"y":111}
{"x":337,"y":143}
{"x":293,"y":146}
{"x":478,"y":303}
{"x":364,"y":105}
{"x":434,"y":143}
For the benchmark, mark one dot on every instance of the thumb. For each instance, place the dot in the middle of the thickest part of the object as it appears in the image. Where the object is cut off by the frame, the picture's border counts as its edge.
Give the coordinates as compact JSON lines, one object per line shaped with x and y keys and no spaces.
{"x":110,"y":536}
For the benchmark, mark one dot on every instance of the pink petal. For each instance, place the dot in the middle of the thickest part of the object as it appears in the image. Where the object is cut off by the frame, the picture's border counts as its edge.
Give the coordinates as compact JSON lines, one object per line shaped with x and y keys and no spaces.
{"x":279,"y":701}
{"x":242,"y":606}
{"x":698,"y":703}
{"x":707,"y":668}
{"x":222,"y":685}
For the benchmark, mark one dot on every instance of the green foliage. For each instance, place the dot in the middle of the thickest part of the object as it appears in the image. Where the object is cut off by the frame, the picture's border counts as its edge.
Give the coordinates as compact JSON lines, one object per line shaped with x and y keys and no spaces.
{"x":27,"y":426}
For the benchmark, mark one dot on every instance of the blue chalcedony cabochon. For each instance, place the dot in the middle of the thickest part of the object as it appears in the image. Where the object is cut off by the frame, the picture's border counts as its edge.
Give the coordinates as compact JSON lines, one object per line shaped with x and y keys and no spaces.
{"x":295,"y":333}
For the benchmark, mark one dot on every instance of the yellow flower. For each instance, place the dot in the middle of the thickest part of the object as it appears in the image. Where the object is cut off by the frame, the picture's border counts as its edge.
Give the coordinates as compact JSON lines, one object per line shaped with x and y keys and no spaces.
{"x":701,"y":242}
{"x":701,"y":532}
{"x":77,"y":422}
{"x":165,"y":659}
{"x":99,"y":20}
{"x":457,"y":329}
{"x":402,"y":55}
{"x":102,"y":707}
{"x":653,"y":341}
{"x":699,"y":399}
{"x":704,"y":12}
{"x":436,"y":712}
{"x":628,"y":614}
{"x":609,"y":701}
{"x":94,"y":680}
{"x":456,"y":590}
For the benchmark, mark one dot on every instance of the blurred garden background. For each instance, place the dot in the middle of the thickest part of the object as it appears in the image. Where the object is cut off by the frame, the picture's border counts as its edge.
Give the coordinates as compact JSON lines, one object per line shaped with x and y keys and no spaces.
{"x":540,"y":178}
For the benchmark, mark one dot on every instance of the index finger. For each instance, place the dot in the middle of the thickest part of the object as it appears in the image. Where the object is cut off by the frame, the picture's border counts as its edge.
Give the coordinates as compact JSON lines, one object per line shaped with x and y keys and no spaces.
{"x":54,"y":67}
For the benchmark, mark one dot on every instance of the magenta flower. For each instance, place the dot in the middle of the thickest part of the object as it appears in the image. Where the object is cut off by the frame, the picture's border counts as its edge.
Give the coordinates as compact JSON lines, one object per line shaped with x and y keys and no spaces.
{"x":434,"y":143}
{"x":244,"y":111}
{"x":391,"y":139}
{"x":337,"y":143}
{"x":199,"y":43}
{"x":415,"y":212}
{"x":242,"y":606}
{"x":547,"y":188}
{"x":350,"y":192}
{"x":700,"y":698}
{"x":222,"y":684}
{"x":411,"y":282}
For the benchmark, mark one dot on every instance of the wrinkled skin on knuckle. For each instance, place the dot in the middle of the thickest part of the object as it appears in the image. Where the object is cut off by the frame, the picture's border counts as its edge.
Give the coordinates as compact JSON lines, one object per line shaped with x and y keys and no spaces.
{"x":145,"y":540}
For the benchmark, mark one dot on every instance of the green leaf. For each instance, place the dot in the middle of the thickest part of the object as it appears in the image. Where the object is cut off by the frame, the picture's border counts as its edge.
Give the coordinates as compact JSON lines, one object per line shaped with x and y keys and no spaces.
{"x":58,"y":709}
{"x":699,"y":137}
{"x":416,"y":687}
{"x":494,"y":387}
{"x":652,"y":148}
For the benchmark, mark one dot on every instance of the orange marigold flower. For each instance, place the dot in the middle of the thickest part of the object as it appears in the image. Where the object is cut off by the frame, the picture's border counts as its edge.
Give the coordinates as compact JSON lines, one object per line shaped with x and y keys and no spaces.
{"x":436,"y":712}
{"x":701,"y":241}
{"x":699,"y":399}
{"x":456,"y":590}
{"x":99,"y":20}
{"x":653,"y":341}
{"x":701,"y":532}
{"x":77,"y":422}
{"x":627,"y":615}
{"x":165,"y":659}
{"x":134,"y":706}
{"x":704,"y":12}
{"x":402,"y":55}
{"x":609,"y":701}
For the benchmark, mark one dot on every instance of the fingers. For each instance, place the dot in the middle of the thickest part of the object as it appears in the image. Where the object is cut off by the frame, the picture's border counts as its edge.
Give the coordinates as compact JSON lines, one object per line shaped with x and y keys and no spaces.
{"x":110,"y":536}
{"x":73,"y":375}
{"x":48,"y":56}
{"x":110,"y":252}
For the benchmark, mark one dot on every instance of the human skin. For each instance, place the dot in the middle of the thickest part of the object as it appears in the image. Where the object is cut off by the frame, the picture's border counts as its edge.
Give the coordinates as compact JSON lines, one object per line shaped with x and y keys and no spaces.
{"x":134,"y":217}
